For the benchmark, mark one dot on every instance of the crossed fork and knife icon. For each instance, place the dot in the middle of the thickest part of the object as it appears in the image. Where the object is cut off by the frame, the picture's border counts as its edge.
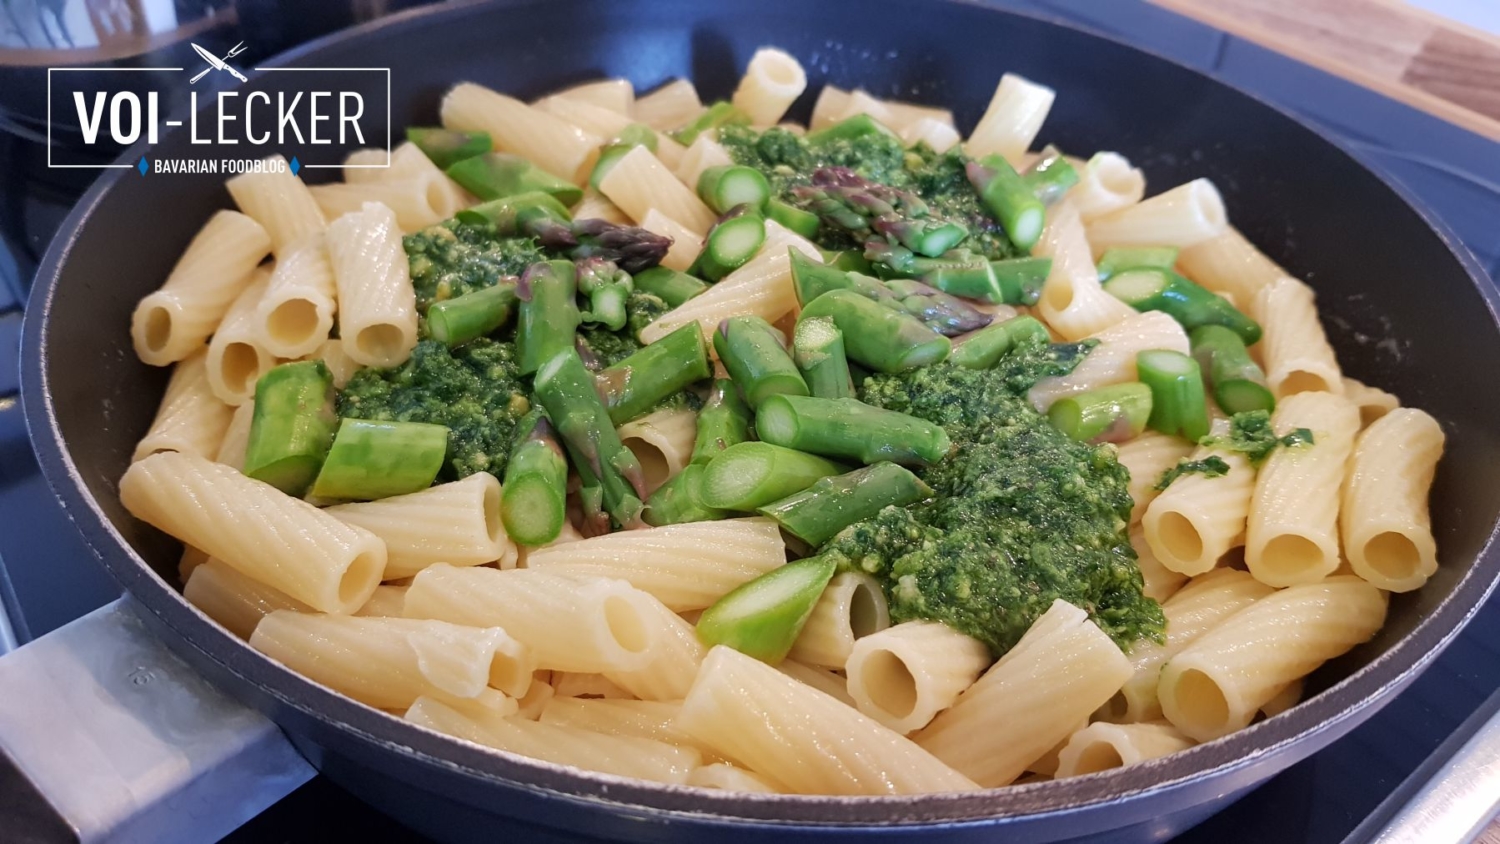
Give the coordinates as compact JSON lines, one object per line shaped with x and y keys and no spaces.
{"x":216,"y":63}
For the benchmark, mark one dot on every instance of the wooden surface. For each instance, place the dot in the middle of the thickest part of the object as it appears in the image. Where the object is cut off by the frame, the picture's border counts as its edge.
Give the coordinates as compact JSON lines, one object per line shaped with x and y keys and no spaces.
{"x":1426,"y":61}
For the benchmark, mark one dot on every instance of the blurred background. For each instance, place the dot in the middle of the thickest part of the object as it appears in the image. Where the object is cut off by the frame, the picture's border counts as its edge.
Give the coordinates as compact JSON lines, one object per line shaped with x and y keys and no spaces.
{"x":1412,"y":88}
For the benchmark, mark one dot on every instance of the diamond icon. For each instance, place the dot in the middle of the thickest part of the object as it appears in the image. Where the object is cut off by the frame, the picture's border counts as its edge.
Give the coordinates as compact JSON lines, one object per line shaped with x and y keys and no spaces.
{"x":296,"y":165}
{"x":143,"y":166}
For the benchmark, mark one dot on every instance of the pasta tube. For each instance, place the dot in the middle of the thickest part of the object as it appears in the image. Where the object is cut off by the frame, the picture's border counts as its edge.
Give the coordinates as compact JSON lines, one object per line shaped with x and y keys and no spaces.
{"x":1185,"y":215}
{"x":190,"y":418}
{"x":904,"y":675}
{"x":1295,"y":350}
{"x":1387,"y":530}
{"x":377,"y":305}
{"x":235,"y":600}
{"x":852,"y":606}
{"x":295,"y":315}
{"x":256,"y":529}
{"x":176,"y":320}
{"x":772,"y":81}
{"x":280,"y":201}
{"x":1101,"y":746}
{"x":457,"y":523}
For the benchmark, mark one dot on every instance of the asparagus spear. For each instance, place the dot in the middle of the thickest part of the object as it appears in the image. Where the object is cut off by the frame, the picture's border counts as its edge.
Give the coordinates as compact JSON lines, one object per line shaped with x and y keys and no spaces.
{"x":818,"y":349}
{"x":728,"y":185}
{"x":849,"y":260}
{"x":762,"y":618}
{"x":878,"y":337}
{"x":291,"y":427}
{"x":548,"y":315}
{"x":607,"y":288}
{"x":1009,"y":198}
{"x":372,"y":459}
{"x":669,"y":285}
{"x":756,"y":357}
{"x":533,"y":503}
{"x":678,"y":501}
{"x":1238,"y":384}
{"x":753,"y":474}
{"x":844,"y":200}
{"x":1050,"y":176}
{"x":1121,"y":258}
{"x":797,"y":221}
{"x":1021,"y":279}
{"x":1109,"y":414}
{"x":847,"y":129}
{"x":922,"y":236}
{"x":515,"y":216}
{"x":939,"y":311}
{"x":1193,"y":306}
{"x":718,"y":114}
{"x":730,"y":243}
{"x":724,"y":421}
{"x":638,"y":383}
{"x":456,"y":321}
{"x":566,"y":391}
{"x":496,"y":174}
{"x":984,"y":348}
{"x":632,"y":136}
{"x":1178,"y":405}
{"x":446,"y":147}
{"x":850,"y":429}
{"x":831,"y":504}
{"x":632,"y":249}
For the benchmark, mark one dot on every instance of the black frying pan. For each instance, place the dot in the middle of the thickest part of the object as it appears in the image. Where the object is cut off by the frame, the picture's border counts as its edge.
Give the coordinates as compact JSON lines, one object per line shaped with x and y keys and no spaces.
{"x":1407,"y":308}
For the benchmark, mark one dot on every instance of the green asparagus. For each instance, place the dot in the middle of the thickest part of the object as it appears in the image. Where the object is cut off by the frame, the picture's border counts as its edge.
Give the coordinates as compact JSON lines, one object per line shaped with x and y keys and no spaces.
{"x":1238,"y":384}
{"x":818,"y":349}
{"x":496,"y":174}
{"x":797,"y":221}
{"x":762,"y":618}
{"x":849,"y":260}
{"x":533,"y":502}
{"x":849,"y":429}
{"x":876,"y":336}
{"x":607,"y":288}
{"x":515,"y":216}
{"x":291,"y":427}
{"x":984,"y":348}
{"x":372,"y":460}
{"x":755,"y":355}
{"x":641,"y":381}
{"x":669,"y":285}
{"x":454,"y":322}
{"x":1006,"y":195}
{"x":724,"y":421}
{"x":1178,"y":405}
{"x":678,"y":501}
{"x":717,"y":114}
{"x":548,"y":314}
{"x":848,"y":129}
{"x":1106,"y":415}
{"x":1050,"y":176}
{"x":831,"y":504}
{"x":937,"y":310}
{"x":730,"y":243}
{"x":1121,"y":258}
{"x":446,"y":147}
{"x":1191,"y":305}
{"x":749,"y":475}
{"x":544,"y":218}
{"x":1021,"y":279}
{"x":566,"y":391}
{"x":729,"y":185}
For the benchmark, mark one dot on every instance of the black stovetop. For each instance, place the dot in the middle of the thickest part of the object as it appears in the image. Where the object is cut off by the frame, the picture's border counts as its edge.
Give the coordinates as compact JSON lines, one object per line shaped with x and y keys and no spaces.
{"x":47,"y":576}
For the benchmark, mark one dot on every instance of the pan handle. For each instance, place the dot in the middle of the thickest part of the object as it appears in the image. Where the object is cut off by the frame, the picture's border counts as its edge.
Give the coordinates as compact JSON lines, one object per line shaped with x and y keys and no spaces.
{"x":106,"y":736}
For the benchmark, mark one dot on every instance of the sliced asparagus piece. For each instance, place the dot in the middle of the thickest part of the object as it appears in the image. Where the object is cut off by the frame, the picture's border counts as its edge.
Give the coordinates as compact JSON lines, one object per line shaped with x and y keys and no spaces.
{"x":1121,"y":258}
{"x":447,"y":147}
{"x":724,"y":421}
{"x":818,"y":349}
{"x":371,"y":459}
{"x":669,"y":285}
{"x":1238,"y":384}
{"x":678,"y":501}
{"x":1050,"y":176}
{"x":984,"y":348}
{"x":763,"y":617}
{"x":1007,"y":196}
{"x":496,"y":174}
{"x":749,"y":475}
{"x":1178,"y":403}
{"x":729,"y":185}
{"x":652,"y":373}
{"x":851,"y":430}
{"x":730,"y":243}
{"x":796,"y":220}
{"x":756,"y":357}
{"x":876,"y":336}
{"x":717,"y":114}
{"x":291,"y":427}
{"x":1183,"y":300}
{"x":533,"y":502}
{"x":1109,"y":414}
{"x":548,"y":313}
{"x":456,"y":321}
{"x":831,"y":504}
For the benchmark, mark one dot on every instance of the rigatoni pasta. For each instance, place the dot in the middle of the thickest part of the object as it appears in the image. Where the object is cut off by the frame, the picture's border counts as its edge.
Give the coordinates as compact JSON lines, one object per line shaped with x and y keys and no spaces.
{"x":771,"y":82}
{"x":851,"y":608}
{"x":377,"y":308}
{"x":1073,"y":302}
{"x":235,"y":600}
{"x":1014,"y":117}
{"x":1183,"y":216}
{"x":274,"y":197}
{"x":190,"y":418}
{"x":219,"y":263}
{"x":457,"y":523}
{"x":1102,"y":746}
{"x":639,"y":183}
{"x":1384,"y":522}
{"x":662,"y":441}
{"x":1113,"y":360}
{"x":904,"y":675}
{"x":552,"y":143}
{"x":1295,"y":350}
{"x":236,"y":360}
{"x":295,"y":314}
{"x":669,"y":107}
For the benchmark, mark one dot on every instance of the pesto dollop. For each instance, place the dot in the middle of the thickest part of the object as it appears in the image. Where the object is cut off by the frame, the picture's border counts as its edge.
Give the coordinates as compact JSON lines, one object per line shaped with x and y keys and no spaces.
{"x":1250,"y":434}
{"x":453,"y":258}
{"x":474,"y":389}
{"x":787,"y":161}
{"x":1212,"y":466}
{"x":1021,"y":515}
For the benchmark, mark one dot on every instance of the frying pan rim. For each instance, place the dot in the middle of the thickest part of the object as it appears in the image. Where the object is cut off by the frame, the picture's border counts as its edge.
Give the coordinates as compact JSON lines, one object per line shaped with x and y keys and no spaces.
{"x":1362,"y":691}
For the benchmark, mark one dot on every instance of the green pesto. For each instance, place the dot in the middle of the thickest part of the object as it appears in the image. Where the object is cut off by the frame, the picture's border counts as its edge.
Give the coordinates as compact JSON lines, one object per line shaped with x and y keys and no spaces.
{"x":788,"y":161}
{"x":1021,"y":514}
{"x":1212,"y":466}
{"x":1250,"y":434}
{"x":475,"y":390}
{"x":453,"y":258}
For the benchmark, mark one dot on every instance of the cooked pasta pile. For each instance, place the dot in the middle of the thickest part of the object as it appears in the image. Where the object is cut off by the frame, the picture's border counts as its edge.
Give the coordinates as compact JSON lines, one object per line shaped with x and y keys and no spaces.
{"x":387,"y":489}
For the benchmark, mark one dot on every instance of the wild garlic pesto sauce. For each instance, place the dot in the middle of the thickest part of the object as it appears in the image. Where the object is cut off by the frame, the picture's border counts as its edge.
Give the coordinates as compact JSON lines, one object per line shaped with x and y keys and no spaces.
{"x":453,"y":258}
